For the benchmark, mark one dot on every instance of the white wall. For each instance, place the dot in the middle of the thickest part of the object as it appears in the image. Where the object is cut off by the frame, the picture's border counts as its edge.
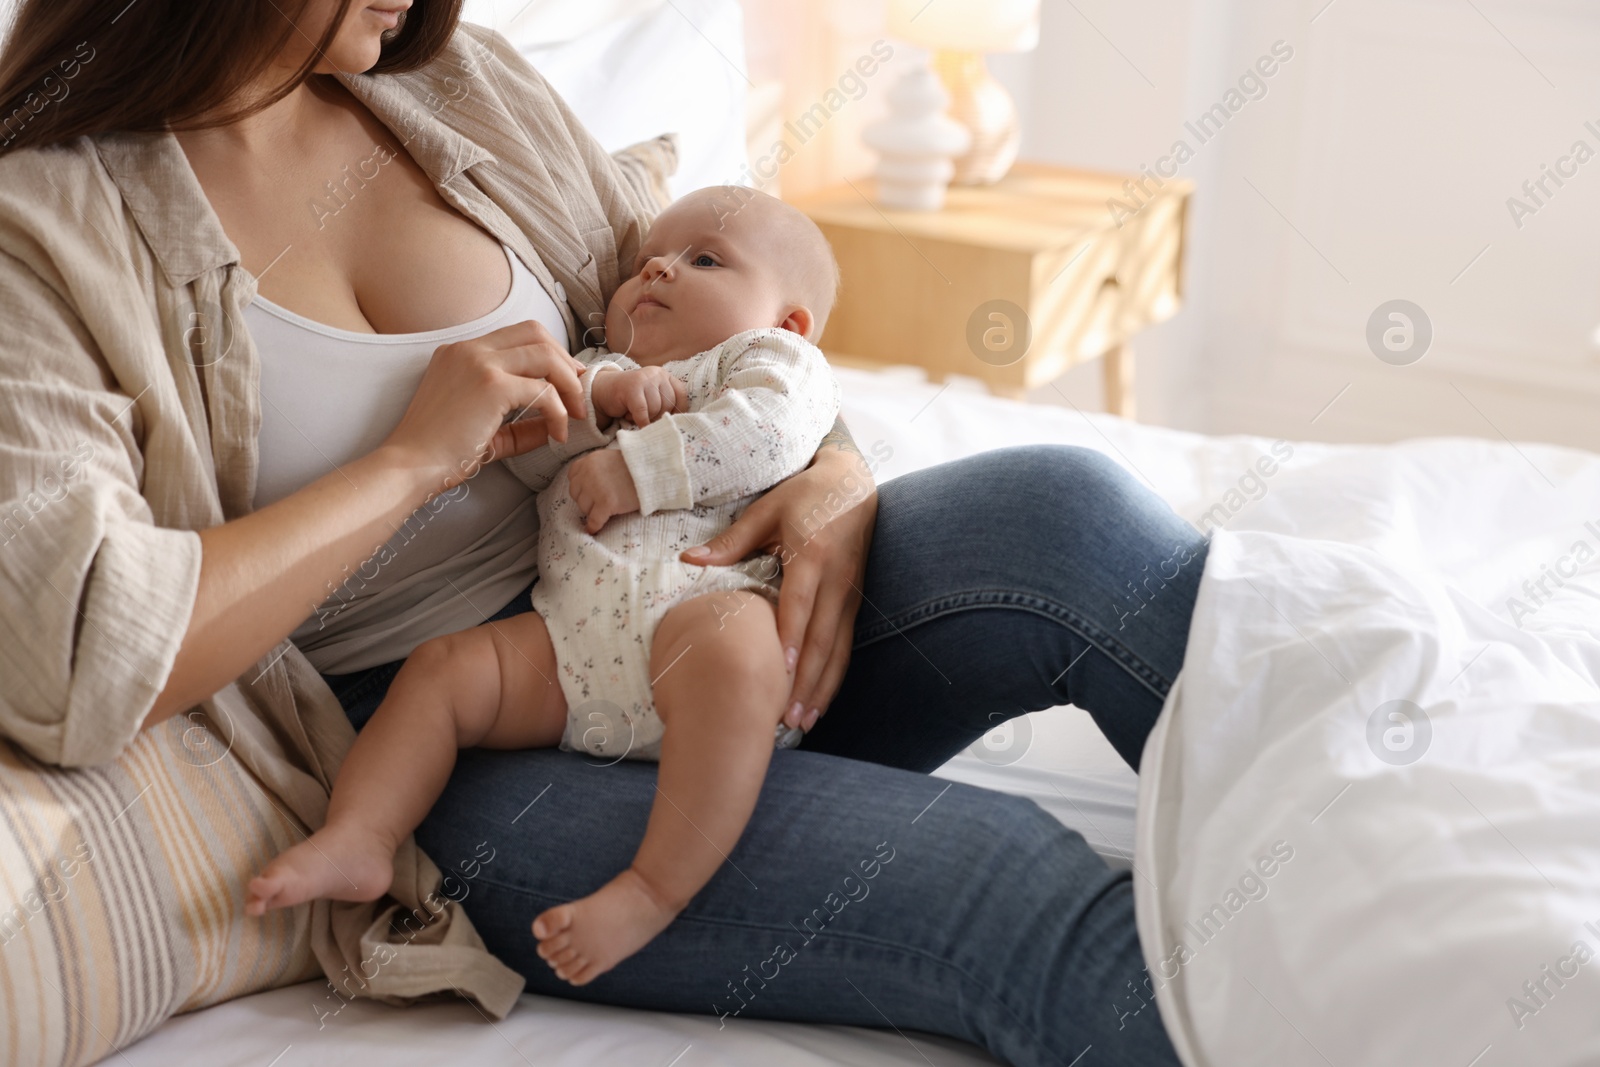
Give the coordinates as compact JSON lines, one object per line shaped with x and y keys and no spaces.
{"x":1390,"y":143}
{"x":1377,"y":166}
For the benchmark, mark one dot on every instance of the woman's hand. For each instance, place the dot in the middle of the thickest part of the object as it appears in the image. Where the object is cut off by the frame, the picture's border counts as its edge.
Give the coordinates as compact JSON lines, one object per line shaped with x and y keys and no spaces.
{"x":457,"y":419}
{"x":819,"y":525}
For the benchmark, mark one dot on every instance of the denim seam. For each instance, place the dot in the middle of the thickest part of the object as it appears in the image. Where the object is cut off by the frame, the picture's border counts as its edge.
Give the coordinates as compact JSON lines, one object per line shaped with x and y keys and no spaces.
{"x":954,"y":603}
{"x":850,"y":938}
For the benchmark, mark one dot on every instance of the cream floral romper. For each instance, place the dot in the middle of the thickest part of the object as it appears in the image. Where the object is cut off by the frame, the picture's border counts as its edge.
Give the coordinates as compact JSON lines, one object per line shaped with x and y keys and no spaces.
{"x":759,"y":405}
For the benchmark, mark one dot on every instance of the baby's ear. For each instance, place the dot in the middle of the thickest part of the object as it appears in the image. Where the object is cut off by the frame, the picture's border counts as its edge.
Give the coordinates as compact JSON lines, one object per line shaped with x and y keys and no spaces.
{"x":798,"y":319}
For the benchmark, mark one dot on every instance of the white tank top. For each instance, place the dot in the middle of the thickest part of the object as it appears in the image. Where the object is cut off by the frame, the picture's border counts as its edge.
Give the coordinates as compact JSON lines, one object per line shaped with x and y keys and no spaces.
{"x":329,"y":396}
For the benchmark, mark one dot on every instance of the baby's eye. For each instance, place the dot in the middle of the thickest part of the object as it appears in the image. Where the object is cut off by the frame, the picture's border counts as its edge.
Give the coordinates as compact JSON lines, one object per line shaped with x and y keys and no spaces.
{"x":704,"y":260}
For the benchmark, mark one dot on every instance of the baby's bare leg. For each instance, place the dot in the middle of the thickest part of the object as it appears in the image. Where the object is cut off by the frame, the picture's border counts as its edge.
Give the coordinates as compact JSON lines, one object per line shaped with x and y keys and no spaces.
{"x":720,"y":685}
{"x":493,"y":685}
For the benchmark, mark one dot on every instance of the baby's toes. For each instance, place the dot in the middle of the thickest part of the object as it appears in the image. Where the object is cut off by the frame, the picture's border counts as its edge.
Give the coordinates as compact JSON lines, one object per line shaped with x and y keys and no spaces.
{"x":552,"y":947}
{"x":566,"y":959}
{"x":553,"y":922}
{"x":582,"y":974}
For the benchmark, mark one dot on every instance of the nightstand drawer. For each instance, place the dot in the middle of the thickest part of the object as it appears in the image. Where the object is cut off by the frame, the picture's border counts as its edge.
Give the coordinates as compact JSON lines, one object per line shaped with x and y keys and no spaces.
{"x":1076,"y":309}
{"x":1039,"y":257}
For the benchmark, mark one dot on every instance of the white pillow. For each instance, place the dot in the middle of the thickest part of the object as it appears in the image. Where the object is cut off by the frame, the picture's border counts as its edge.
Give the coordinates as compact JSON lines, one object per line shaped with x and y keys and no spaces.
{"x":642,"y":68}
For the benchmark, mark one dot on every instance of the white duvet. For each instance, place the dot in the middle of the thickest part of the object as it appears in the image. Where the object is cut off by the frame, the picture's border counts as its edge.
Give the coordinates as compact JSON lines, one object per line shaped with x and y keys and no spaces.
{"x":1372,"y":803}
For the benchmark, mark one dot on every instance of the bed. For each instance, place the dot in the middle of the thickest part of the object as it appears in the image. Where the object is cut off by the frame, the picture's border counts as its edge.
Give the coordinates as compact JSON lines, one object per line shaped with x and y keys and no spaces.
{"x":1055,"y":758}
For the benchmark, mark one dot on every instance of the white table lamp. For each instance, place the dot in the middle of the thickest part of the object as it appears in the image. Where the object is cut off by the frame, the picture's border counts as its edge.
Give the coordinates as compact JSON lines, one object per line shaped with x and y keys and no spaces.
{"x":916,"y":143}
{"x":960,"y":33}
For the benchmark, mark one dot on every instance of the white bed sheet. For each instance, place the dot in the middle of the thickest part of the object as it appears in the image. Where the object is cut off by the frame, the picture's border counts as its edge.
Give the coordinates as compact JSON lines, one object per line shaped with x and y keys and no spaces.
{"x":1066,"y":767}
{"x":280,"y":1029}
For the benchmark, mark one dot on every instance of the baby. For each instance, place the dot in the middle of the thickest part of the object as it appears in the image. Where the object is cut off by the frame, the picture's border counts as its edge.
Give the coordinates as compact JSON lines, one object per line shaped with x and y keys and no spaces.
{"x":712,"y":365}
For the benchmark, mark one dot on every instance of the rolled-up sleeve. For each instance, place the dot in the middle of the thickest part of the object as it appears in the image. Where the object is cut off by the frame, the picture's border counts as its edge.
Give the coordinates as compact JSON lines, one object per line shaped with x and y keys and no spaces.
{"x":774,"y":399}
{"x":94,"y":597}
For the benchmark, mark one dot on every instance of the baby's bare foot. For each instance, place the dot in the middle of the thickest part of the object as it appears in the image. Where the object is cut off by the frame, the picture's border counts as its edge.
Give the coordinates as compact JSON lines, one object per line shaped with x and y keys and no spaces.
{"x":586,"y":938}
{"x":335,"y":862}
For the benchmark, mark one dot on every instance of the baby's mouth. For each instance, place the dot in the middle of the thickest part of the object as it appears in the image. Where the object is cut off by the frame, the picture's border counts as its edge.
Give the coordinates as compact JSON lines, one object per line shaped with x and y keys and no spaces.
{"x":648,"y":301}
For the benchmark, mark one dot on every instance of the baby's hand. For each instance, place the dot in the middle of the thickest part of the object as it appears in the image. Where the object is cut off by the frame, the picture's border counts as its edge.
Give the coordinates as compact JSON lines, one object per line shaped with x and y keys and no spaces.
{"x":641,"y":395}
{"x":599,"y":483}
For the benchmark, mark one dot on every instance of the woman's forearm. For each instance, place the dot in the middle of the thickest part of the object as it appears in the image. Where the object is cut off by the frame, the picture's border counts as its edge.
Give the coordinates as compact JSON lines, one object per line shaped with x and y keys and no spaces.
{"x":262,"y":575}
{"x":839,"y":439}
{"x":839,"y":455}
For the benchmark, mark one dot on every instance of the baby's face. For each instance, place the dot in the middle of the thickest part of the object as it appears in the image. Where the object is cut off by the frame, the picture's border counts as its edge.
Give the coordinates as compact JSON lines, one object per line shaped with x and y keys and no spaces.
{"x":705,"y":273}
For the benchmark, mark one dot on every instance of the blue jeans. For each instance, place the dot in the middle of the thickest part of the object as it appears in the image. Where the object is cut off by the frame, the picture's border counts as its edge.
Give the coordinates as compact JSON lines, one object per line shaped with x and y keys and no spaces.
{"x":864,"y":892}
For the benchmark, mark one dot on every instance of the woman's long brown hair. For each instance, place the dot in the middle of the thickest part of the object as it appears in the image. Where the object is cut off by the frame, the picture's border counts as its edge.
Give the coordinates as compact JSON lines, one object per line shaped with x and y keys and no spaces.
{"x":70,"y":68}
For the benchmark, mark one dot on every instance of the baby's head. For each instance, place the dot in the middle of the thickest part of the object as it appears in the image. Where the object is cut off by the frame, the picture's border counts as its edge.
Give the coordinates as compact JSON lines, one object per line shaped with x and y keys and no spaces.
{"x":717,"y":263}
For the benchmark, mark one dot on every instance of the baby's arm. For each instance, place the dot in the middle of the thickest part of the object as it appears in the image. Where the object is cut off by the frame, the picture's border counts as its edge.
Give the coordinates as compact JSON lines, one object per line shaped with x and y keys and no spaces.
{"x":776,"y":398}
{"x":538,"y":468}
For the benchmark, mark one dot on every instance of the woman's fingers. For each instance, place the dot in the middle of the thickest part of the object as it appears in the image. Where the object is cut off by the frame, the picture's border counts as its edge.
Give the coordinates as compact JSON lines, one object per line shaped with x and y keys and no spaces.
{"x":529,"y":395}
{"x":838,"y":661}
{"x":797,"y":598}
{"x":529,"y":350}
{"x":529,"y":335}
{"x":816,"y":638}
{"x":757,"y":528}
{"x":822,"y":575}
{"x":515,"y":438}
{"x":470,"y":387}
{"x":549,"y":363}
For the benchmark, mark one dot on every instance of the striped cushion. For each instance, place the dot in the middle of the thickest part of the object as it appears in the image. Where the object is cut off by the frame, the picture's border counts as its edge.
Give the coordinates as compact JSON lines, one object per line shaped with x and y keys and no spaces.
{"x":122,"y":892}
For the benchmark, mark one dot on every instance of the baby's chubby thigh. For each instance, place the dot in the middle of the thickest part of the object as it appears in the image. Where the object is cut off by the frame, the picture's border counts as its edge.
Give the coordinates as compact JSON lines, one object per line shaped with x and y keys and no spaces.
{"x":720,"y":650}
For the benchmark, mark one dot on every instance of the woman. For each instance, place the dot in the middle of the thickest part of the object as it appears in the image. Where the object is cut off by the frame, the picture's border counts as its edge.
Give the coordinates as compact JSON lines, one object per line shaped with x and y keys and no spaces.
{"x":198,"y":316}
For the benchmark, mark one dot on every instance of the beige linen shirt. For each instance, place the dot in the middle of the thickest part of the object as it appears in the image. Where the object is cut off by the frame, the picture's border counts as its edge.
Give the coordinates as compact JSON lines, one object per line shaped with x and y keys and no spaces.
{"x":128,"y":419}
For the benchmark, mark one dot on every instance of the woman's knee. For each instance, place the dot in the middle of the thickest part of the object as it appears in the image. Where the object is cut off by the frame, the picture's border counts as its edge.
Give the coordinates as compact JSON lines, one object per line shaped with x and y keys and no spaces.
{"x":1030,"y":482}
{"x":1067,"y":478}
{"x":1039,"y":518}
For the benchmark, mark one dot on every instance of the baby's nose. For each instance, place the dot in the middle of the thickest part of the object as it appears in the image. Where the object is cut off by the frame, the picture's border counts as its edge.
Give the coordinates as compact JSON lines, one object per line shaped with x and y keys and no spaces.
{"x":657,"y":267}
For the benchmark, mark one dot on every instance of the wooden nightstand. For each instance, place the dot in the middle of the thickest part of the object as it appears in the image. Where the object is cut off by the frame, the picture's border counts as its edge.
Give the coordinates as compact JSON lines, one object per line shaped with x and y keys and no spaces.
{"x":1013,"y":283}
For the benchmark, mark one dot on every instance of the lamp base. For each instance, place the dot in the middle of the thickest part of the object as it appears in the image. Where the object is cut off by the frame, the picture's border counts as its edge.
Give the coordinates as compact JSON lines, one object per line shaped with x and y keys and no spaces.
{"x":983,"y":106}
{"x":916,"y":143}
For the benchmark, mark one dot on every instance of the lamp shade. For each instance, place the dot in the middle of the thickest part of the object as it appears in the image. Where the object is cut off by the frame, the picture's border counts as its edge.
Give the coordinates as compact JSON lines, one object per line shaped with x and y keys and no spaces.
{"x":967,"y":25}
